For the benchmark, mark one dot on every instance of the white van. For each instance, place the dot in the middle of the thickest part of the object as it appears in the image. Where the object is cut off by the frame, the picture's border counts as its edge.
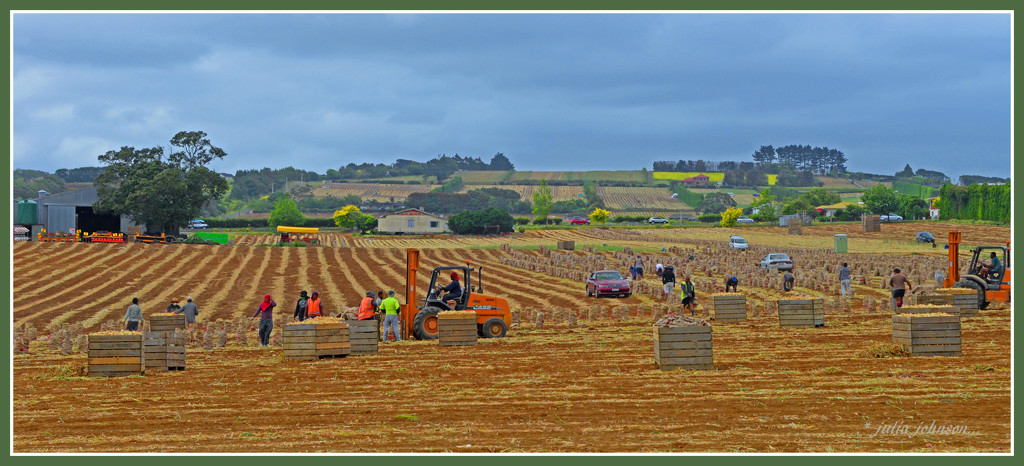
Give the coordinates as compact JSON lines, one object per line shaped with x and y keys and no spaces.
{"x":737,"y":242}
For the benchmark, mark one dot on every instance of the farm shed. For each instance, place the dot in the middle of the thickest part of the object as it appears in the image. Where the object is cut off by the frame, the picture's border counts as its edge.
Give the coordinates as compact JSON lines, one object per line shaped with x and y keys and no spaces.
{"x":72,"y":210}
{"x":411,"y":222}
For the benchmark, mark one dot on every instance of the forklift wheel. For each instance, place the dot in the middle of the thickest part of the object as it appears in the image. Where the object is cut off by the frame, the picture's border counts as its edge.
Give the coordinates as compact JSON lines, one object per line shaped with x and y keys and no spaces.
{"x":494,"y":328}
{"x":425,"y":323}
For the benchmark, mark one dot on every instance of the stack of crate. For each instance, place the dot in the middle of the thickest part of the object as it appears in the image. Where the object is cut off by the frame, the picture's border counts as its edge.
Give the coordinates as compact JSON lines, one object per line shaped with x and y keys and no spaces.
{"x":871,"y":223}
{"x":363,"y":336}
{"x":316,"y":338}
{"x":803,"y":313}
{"x":456,"y":328}
{"x":927,"y":334}
{"x":116,"y":354}
{"x":965,"y":299}
{"x":728,"y":307}
{"x":166,"y":341}
{"x":687,"y":347}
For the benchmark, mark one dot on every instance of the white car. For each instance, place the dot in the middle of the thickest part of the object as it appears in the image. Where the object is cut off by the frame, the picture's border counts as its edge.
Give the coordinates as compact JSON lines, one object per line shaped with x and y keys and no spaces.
{"x":746,"y":220}
{"x":661,"y":220}
{"x":777,"y":262}
{"x":891,"y":218}
{"x":197,"y":224}
{"x":737,"y":242}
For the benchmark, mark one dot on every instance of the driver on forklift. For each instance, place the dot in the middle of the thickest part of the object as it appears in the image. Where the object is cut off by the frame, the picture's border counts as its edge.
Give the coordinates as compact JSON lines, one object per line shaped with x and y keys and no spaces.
{"x":995,"y":266}
{"x":454,"y":289}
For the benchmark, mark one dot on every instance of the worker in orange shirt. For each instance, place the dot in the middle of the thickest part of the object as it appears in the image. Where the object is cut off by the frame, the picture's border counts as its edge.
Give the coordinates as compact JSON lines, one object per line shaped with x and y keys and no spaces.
{"x":366,"y":310}
{"x":314,"y":308}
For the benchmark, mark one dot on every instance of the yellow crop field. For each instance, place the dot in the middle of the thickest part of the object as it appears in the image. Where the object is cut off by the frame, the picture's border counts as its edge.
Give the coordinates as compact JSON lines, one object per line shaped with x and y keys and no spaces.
{"x":713,"y":176}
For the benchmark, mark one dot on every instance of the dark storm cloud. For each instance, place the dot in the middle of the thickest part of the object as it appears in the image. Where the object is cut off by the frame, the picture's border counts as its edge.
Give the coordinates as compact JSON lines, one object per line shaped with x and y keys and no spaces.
{"x":551,"y":91}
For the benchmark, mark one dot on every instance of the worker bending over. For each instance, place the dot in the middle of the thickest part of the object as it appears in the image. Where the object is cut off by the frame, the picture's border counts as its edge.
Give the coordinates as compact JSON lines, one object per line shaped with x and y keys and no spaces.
{"x":731,"y":282}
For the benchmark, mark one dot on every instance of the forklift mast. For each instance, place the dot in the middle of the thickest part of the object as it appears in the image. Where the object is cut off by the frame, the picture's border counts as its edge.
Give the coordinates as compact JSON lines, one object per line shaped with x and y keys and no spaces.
{"x":954,"y":255}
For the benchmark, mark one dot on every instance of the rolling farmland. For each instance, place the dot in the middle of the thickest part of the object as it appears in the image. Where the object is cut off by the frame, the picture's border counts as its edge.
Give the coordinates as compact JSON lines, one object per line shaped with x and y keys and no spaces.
{"x":622,"y":198}
{"x":558,"y":193}
{"x":368,"y":191}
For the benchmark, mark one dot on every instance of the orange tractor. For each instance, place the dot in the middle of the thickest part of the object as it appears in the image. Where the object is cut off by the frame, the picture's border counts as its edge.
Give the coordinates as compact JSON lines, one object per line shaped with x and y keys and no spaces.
{"x":493,"y":315}
{"x":995,"y":287}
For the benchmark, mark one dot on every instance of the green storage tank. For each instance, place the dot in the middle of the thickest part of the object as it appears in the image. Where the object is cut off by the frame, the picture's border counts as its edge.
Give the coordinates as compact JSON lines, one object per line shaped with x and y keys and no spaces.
{"x":840,"y":243}
{"x":28,"y":213}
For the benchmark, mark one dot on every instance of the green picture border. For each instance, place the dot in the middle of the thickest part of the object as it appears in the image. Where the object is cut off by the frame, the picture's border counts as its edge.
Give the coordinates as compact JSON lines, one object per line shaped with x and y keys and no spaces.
{"x":23,"y":5}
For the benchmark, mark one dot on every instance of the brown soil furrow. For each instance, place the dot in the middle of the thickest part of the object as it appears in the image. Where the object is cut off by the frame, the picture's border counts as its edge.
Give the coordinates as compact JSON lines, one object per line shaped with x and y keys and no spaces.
{"x":229,"y":287}
{"x":335,"y":296}
{"x":80,"y":267}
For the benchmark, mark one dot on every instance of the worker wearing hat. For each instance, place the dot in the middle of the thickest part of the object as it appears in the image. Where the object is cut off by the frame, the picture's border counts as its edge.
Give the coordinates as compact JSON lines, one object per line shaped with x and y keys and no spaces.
{"x":391,"y":309}
{"x":454,"y":289}
{"x":314,"y":308}
{"x":174,"y":307}
{"x":366,"y":307}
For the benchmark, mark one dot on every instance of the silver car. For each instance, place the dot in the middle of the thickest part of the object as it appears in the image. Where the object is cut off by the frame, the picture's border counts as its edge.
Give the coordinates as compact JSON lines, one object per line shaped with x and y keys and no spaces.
{"x":776,"y":261}
{"x":737,"y":242}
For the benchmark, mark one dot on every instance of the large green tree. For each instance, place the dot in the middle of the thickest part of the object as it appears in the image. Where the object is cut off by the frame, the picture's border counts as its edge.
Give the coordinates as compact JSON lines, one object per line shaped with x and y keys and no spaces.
{"x":160,"y":192}
{"x":543,"y":201}
{"x":881,"y":200}
{"x":286,"y":213}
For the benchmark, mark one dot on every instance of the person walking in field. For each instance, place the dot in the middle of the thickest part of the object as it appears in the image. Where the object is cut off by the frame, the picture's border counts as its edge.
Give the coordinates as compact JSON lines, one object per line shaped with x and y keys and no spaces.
{"x":301,"y":307}
{"x":366,"y":307}
{"x":265,"y":311}
{"x":844,"y":280}
{"x":689,"y":294}
{"x":788,"y":281}
{"x":191,"y":311}
{"x":900,"y":285}
{"x":133,"y":316}
{"x":668,"y":279}
{"x":391,"y":309}
{"x":731,"y":282}
{"x":314,"y":307}
{"x":639,"y":265}
{"x":939,"y":279}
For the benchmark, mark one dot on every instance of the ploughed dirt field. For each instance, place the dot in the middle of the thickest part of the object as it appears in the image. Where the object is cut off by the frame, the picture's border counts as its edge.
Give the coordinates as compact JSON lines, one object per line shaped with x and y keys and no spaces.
{"x":592,"y":387}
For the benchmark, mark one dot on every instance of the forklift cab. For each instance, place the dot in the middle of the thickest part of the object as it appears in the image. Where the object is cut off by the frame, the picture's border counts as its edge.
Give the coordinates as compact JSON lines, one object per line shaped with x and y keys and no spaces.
{"x":981,"y":254}
{"x":434,"y":294}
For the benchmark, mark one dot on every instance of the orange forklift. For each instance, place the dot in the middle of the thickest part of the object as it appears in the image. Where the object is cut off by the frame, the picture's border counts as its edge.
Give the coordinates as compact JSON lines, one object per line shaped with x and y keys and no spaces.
{"x":995,"y":287}
{"x":493,"y":315}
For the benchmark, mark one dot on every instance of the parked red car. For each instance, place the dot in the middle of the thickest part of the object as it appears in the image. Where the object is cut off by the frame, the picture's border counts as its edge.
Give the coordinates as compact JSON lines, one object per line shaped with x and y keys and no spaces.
{"x":607,"y":282}
{"x":579,"y":221}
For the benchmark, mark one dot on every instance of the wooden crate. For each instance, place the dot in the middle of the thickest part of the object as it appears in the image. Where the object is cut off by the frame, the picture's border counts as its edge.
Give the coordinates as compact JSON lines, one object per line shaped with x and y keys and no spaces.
{"x":363,"y":336}
{"x":166,"y":323}
{"x":728,"y":307}
{"x":567,"y":245}
{"x":803,"y":313}
{"x":456,"y":328}
{"x":310,"y":341}
{"x":965,"y":299}
{"x":928,"y":309}
{"x":870,"y":223}
{"x":686,"y":348}
{"x":116,"y":355}
{"x":165,"y":350}
{"x":935,"y":299}
{"x":927,"y":334}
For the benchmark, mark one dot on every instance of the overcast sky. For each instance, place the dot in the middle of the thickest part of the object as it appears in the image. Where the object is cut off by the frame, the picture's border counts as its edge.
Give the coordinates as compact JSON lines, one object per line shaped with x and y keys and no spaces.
{"x":552,"y":92}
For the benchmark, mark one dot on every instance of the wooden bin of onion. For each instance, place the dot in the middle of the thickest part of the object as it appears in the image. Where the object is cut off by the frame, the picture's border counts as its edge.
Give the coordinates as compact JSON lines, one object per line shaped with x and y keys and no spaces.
{"x":727,"y":307}
{"x":362,"y":336}
{"x":802,"y":313}
{"x":116,"y":354}
{"x":683,"y":347}
{"x":456,"y":328}
{"x":928,"y":334}
{"x":965,"y":299}
{"x":316,"y":338}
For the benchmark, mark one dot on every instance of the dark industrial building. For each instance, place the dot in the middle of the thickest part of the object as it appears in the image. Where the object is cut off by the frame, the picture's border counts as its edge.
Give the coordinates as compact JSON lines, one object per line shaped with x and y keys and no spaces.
{"x":68,"y":212}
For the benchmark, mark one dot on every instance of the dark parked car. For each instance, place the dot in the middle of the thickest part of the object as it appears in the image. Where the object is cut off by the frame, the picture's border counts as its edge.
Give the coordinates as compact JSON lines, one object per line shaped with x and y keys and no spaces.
{"x":607,"y":282}
{"x":925,"y":237}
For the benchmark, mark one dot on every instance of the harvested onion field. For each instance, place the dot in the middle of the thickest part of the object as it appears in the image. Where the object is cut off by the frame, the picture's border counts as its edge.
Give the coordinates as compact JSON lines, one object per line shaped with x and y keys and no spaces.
{"x":580,"y":383}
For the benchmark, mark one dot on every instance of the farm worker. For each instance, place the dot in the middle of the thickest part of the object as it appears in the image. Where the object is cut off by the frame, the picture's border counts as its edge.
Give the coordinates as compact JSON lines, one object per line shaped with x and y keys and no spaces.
{"x":632,"y":271}
{"x":174,"y":307}
{"x":689,"y":294}
{"x":900,"y":284}
{"x":191,"y":311}
{"x":731,"y":282}
{"x":133,"y":316}
{"x":994,"y":266}
{"x":314,"y":308}
{"x":639,"y":267}
{"x":844,"y":280}
{"x":939,"y":278}
{"x":366,"y":307}
{"x":659,"y":269}
{"x":391,"y":308}
{"x":668,"y":279}
{"x":301,"y":306}
{"x":788,"y":281}
{"x":454,"y":289}
{"x":266,"y":313}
